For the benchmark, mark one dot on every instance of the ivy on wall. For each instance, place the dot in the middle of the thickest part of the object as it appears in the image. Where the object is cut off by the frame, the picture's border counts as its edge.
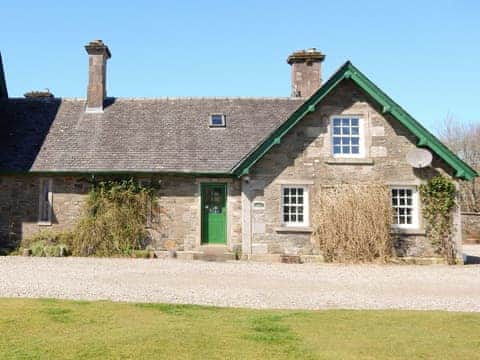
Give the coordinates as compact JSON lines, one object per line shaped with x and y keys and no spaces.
{"x":438,"y":201}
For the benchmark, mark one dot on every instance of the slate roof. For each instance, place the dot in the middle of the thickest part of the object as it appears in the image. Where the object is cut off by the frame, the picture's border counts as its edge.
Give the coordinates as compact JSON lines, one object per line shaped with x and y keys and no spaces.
{"x":135,"y":135}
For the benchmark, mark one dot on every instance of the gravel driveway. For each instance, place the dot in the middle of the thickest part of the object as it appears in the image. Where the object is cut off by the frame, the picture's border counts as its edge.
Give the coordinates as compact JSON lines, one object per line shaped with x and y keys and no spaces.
{"x":244,"y":284}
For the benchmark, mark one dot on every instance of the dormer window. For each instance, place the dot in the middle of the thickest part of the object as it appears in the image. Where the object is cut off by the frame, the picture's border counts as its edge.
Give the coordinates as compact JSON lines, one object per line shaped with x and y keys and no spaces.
{"x":217,"y":120}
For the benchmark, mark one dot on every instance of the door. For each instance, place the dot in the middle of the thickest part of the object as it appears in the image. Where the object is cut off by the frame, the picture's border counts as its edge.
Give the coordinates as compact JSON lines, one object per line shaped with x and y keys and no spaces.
{"x":214,"y":213}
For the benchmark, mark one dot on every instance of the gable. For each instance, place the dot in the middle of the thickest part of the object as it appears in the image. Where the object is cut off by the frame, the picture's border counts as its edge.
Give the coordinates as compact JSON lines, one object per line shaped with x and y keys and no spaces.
{"x":388,"y":106}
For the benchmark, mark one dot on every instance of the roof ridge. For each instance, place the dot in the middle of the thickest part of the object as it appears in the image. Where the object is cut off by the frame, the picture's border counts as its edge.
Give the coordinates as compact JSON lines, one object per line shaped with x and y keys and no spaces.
{"x":287,"y":98}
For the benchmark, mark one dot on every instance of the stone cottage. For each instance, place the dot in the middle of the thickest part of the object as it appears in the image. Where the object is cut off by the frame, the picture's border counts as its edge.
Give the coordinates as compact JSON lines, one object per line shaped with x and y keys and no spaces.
{"x":239,"y":173}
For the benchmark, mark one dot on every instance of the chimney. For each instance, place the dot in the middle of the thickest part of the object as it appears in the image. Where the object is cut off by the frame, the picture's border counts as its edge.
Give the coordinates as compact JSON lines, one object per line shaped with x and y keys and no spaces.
{"x":3,"y":83}
{"x":306,"y":72}
{"x":98,"y":54}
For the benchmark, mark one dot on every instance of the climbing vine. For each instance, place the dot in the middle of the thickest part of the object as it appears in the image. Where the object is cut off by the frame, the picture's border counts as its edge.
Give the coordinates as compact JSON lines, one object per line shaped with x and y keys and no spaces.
{"x":438,"y":201}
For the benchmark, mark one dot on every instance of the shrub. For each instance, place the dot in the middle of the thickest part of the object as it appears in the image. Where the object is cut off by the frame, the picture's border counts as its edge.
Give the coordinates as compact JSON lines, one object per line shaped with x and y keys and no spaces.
{"x":48,"y":237}
{"x":114,"y":220}
{"x":48,"y":243}
{"x":352,"y":223}
{"x":38,"y":248}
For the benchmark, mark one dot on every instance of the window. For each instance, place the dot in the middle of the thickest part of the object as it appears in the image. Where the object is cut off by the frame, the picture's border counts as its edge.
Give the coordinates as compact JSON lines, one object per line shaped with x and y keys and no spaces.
{"x":45,"y":202}
{"x":346,"y":136}
{"x":405,"y":207}
{"x":217,"y":120}
{"x":295,"y":205}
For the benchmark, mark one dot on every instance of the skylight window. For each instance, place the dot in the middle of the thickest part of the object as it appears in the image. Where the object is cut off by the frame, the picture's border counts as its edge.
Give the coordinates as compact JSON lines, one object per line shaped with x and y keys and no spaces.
{"x":217,"y":120}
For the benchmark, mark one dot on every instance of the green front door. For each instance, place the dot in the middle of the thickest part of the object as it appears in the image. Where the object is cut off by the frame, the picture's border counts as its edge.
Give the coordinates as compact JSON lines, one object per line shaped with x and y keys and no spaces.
{"x":214,"y":213}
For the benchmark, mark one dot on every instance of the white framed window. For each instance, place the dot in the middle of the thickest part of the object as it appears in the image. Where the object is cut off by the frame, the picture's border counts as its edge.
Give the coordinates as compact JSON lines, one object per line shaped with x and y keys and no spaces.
{"x":405,"y":207}
{"x":295,"y":205}
{"x":347,"y":136}
{"x":45,"y":203}
{"x":217,"y":120}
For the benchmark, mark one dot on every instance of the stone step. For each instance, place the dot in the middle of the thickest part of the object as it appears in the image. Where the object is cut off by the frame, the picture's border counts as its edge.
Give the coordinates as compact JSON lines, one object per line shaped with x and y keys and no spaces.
{"x":214,"y":253}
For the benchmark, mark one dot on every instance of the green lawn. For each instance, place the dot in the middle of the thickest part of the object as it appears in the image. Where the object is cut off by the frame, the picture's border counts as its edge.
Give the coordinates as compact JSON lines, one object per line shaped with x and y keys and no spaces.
{"x":46,"y":329}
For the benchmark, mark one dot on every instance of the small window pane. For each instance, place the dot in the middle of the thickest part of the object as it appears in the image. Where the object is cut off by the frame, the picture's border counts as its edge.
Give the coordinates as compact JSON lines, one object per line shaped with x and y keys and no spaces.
{"x":337,"y":140}
{"x":355,"y":140}
{"x":336,"y":150}
{"x":354,"y":122}
{"x":345,"y":131}
{"x":336,"y":122}
{"x":345,"y":121}
{"x":336,"y":130}
{"x":345,"y":141}
{"x":354,"y":131}
{"x":345,"y":149}
{"x":355,"y":150}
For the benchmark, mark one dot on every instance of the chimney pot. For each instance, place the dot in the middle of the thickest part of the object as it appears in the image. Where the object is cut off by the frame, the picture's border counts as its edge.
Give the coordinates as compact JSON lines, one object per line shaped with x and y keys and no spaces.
{"x":98,"y":54}
{"x":306,"y":71}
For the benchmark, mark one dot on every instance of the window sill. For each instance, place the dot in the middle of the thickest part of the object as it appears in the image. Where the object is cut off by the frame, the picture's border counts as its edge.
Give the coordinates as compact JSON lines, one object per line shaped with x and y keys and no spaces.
{"x":44,"y":223}
{"x":294,"y":229}
{"x":407,"y":231}
{"x":349,"y":161}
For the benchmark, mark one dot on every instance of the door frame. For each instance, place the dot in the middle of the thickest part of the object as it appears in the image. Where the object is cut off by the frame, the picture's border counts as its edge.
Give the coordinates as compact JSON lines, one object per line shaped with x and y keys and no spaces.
{"x":204,"y":185}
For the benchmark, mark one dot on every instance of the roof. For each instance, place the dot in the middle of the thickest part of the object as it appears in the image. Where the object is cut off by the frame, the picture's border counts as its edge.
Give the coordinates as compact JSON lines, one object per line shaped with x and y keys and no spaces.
{"x":172,"y":135}
{"x":135,"y":135}
{"x":348,"y":71}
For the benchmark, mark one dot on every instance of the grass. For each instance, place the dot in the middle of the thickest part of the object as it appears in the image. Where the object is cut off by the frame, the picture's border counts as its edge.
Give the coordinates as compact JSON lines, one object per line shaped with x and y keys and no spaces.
{"x":54,"y":329}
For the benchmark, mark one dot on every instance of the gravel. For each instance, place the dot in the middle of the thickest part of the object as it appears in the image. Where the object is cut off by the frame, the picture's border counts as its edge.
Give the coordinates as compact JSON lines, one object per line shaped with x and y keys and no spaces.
{"x":244,"y":284}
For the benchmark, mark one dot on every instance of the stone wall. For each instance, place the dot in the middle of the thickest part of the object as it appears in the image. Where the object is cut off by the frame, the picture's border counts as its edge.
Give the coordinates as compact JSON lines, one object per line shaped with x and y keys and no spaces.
{"x":471,"y":226}
{"x":175,"y":211}
{"x":19,"y":205}
{"x":304,"y":157}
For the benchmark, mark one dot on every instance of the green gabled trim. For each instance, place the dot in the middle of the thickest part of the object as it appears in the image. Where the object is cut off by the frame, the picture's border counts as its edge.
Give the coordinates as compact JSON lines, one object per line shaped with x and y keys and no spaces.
{"x":348,"y":71}
{"x":243,"y":167}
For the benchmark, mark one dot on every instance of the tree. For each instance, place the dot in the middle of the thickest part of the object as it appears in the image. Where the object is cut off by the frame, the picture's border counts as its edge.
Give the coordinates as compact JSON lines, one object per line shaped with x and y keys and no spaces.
{"x":464,"y":140}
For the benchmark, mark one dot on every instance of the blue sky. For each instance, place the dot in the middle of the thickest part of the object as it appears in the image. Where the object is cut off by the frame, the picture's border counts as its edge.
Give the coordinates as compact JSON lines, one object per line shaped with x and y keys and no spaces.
{"x":425,"y":54}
